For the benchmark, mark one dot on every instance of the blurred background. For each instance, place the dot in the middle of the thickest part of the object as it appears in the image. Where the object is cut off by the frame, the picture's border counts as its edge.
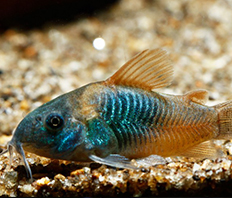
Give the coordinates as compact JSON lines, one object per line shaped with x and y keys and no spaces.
{"x":51,"y":47}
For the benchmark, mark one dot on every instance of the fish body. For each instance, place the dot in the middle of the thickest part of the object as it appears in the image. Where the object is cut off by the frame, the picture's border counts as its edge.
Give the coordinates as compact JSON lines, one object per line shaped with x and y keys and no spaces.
{"x":143,"y":123}
{"x":124,"y":116}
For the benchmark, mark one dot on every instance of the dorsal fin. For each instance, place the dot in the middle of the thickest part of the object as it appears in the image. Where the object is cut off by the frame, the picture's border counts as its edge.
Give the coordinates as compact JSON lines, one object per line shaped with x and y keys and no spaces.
{"x":148,"y":70}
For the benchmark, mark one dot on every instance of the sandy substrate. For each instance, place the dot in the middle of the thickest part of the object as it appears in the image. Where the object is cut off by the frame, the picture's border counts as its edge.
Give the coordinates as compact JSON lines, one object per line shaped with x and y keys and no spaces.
{"x":38,"y":65}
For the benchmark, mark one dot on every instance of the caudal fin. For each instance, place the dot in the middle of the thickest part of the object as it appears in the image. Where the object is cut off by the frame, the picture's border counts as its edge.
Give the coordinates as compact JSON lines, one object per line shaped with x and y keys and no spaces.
{"x":225,"y":120}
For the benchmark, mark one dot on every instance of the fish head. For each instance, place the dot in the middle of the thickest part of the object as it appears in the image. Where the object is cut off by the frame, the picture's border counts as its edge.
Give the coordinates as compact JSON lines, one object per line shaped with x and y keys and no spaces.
{"x":50,"y":131}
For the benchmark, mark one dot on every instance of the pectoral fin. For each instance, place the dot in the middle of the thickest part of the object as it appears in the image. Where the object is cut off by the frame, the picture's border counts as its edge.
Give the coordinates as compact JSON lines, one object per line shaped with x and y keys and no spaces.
{"x":114,"y":160}
{"x":119,"y":161}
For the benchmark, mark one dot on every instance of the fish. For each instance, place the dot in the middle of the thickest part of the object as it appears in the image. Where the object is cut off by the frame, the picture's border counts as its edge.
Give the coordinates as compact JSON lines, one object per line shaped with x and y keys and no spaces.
{"x":124,"y":117}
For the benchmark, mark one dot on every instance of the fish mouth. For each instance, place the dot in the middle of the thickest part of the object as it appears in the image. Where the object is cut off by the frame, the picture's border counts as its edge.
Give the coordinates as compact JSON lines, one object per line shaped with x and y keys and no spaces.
{"x":13,"y":147}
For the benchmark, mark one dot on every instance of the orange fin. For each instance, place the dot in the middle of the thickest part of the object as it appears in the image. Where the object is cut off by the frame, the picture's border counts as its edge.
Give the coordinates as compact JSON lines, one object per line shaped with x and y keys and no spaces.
{"x":148,"y":70}
{"x":197,"y":96}
{"x":204,"y":150}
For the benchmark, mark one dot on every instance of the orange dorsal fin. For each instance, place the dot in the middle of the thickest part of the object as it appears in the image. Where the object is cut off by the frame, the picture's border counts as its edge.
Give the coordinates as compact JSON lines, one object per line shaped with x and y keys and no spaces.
{"x":150,"y":69}
{"x":198,"y":96}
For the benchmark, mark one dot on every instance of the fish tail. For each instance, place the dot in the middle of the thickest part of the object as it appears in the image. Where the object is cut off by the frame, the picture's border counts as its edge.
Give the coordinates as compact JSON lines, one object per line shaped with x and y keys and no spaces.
{"x":224,"y":120}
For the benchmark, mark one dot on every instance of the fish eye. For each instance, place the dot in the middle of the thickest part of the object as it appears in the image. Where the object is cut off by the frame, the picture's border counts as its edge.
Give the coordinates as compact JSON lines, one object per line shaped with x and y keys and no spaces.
{"x":54,"y":121}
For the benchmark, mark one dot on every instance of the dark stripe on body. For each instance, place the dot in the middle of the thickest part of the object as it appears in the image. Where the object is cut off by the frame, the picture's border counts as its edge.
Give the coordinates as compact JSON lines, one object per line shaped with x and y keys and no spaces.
{"x":138,"y":117}
{"x":130,"y":114}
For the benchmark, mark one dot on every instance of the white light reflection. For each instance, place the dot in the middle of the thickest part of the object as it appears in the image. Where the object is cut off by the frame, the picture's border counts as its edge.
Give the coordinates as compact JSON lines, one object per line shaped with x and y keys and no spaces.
{"x":99,"y":43}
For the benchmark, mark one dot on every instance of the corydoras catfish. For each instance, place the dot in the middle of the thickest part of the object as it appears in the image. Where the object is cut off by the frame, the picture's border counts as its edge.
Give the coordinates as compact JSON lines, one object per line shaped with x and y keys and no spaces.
{"x":123,"y":116}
